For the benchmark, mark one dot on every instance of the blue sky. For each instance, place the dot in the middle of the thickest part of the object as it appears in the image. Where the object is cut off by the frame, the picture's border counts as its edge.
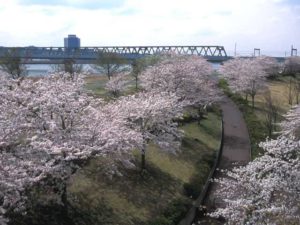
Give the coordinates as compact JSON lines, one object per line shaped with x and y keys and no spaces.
{"x":271,"y":25}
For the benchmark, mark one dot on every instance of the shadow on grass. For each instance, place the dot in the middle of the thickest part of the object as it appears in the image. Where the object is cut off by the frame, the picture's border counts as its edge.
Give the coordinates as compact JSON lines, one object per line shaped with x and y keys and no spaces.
{"x":209,"y":130}
{"x":203,"y":162}
{"x":193,"y":149}
{"x":156,"y":195}
{"x":151,"y":194}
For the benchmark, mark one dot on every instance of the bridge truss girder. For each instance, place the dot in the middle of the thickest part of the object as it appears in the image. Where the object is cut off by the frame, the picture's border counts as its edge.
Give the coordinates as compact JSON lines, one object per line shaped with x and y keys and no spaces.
{"x":214,"y":53}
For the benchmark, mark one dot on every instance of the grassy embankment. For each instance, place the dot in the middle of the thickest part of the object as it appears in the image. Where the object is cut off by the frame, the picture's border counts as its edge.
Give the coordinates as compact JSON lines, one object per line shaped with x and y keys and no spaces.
{"x":162,"y":195}
{"x":255,"y":118}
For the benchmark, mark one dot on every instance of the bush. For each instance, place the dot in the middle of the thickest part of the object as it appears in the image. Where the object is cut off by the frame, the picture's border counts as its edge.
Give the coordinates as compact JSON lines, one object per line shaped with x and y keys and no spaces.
{"x":187,"y":118}
{"x":223,"y":84}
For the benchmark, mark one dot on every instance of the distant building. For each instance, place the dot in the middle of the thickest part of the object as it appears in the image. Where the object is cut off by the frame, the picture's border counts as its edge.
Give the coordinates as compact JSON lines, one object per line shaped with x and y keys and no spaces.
{"x":72,"y":41}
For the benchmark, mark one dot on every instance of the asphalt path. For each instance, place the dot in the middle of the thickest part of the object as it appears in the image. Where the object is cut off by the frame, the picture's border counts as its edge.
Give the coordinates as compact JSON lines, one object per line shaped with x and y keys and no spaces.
{"x":236,"y":151}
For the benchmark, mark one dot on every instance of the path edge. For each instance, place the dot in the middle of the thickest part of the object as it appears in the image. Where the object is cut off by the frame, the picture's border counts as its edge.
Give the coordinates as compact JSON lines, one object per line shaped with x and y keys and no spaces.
{"x":196,"y":208}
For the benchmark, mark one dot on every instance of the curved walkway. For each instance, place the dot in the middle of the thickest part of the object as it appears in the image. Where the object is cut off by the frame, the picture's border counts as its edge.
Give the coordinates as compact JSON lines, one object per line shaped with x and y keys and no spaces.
{"x":236,"y":151}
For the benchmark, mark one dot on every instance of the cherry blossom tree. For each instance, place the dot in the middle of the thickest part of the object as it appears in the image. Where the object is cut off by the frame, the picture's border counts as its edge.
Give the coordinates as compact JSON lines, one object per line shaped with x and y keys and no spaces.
{"x":269,"y":64}
{"x":110,"y":63}
{"x":12,"y":64}
{"x":116,"y":85}
{"x":266,"y":191}
{"x":271,"y":112}
{"x":291,"y":124}
{"x":297,"y":88}
{"x":139,"y":65}
{"x":293,"y":89}
{"x":152,"y":115}
{"x":68,"y":66}
{"x":189,"y":77}
{"x":49,"y":127}
{"x":245,"y":76}
{"x":292,"y":65}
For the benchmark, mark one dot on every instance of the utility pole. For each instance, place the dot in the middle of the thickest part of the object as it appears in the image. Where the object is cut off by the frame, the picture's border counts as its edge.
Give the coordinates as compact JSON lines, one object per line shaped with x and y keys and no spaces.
{"x":256,"y":50}
{"x":235,"y":49}
{"x":293,"y":51}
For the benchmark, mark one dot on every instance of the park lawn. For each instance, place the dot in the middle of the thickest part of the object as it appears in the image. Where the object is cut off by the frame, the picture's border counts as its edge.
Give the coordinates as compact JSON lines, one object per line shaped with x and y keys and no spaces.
{"x":96,"y":84}
{"x":279,"y":93}
{"x":163,"y":193}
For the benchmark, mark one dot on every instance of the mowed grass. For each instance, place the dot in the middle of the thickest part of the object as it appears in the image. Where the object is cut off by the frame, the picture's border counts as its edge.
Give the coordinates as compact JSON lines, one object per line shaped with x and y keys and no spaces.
{"x":96,"y":84}
{"x":279,"y":93}
{"x":167,"y":188}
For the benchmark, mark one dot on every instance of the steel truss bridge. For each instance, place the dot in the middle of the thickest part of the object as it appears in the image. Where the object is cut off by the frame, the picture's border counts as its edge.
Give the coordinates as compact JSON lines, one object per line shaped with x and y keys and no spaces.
{"x":88,"y":55}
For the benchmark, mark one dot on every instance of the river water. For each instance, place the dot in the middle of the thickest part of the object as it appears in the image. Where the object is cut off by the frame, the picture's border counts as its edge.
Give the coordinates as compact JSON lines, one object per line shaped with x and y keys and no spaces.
{"x":45,"y":69}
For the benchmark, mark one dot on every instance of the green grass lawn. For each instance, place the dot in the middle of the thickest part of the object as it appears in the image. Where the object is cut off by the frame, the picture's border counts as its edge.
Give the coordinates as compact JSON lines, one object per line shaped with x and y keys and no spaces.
{"x":161,"y":196}
{"x":96,"y":84}
{"x":279,"y":92}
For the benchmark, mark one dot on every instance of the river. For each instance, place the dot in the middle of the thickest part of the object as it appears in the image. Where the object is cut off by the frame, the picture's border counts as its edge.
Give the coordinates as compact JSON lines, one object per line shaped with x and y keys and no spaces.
{"x":45,"y":69}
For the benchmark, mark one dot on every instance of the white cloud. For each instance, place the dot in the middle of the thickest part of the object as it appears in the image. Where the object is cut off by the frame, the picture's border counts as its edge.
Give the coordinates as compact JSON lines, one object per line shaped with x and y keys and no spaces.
{"x":272,"y":25}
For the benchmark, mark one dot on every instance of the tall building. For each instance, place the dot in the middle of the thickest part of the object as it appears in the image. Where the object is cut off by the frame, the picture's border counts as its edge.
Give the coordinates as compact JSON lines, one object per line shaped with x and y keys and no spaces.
{"x":72,"y":41}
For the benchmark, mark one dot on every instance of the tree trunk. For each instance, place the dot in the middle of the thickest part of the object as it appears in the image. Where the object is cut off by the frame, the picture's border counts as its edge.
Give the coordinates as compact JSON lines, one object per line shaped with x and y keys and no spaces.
{"x":143,"y":161}
{"x":290,"y":93}
{"x":136,"y":83}
{"x":143,"y":155}
{"x":252,"y":96}
{"x":108,"y":72}
{"x":270,"y":129}
{"x":64,"y":199}
{"x":274,"y":115}
{"x":63,"y":125}
{"x":200,"y":114}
